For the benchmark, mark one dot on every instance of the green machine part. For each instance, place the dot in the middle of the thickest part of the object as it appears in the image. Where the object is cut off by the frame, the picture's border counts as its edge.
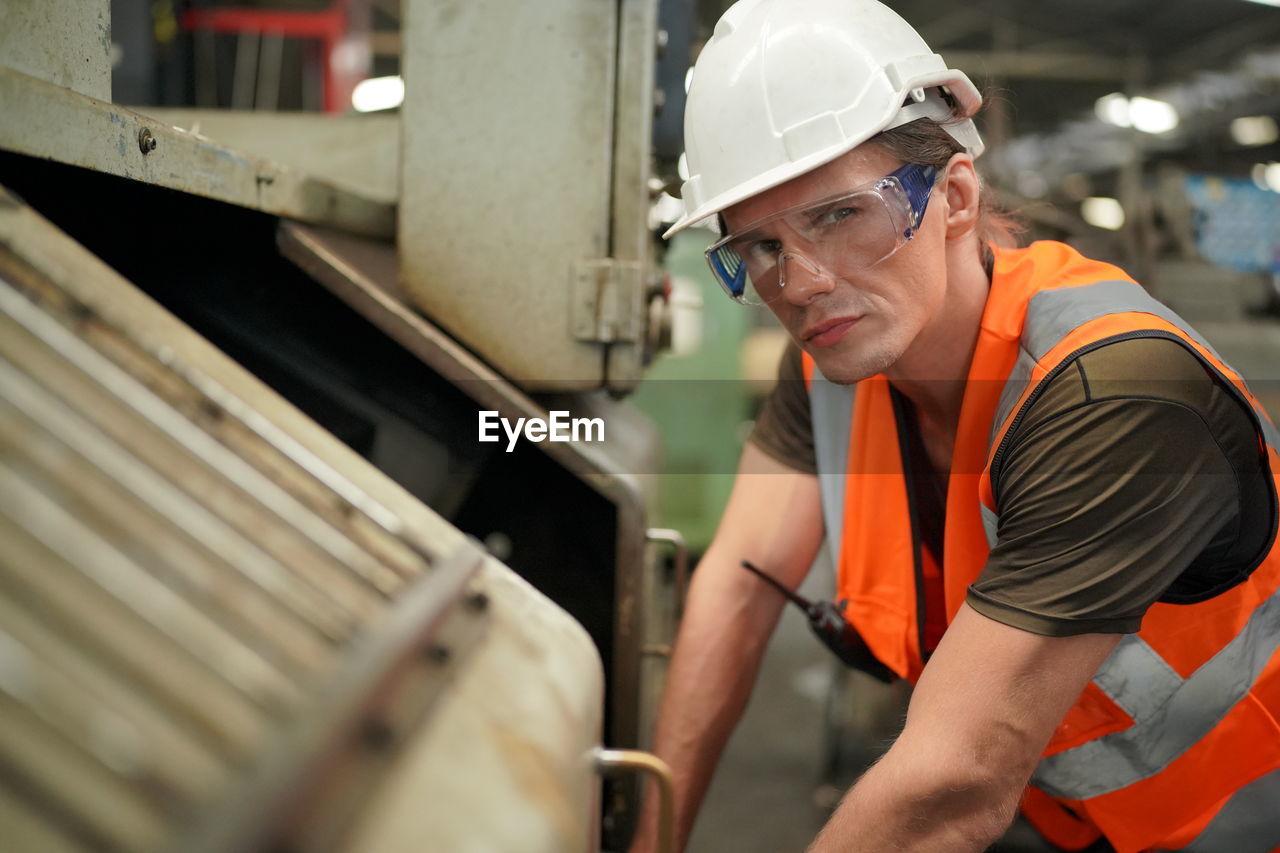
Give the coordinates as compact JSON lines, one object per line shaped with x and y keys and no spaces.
{"x":697,"y":396}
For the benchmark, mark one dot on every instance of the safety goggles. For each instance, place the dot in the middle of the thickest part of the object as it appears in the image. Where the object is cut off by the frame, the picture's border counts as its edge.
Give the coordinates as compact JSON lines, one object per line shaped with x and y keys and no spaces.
{"x":860,"y":227}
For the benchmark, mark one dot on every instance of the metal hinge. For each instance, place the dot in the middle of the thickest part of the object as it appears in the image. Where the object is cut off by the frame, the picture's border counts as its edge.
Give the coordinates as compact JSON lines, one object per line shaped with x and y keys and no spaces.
{"x":608,"y":301}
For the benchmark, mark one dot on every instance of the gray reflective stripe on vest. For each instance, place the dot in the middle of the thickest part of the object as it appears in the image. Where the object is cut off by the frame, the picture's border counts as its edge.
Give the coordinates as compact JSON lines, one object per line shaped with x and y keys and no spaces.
{"x":1170,"y":714}
{"x":1270,"y":434}
{"x":1248,"y":823}
{"x":990,"y":523}
{"x":1014,"y":387}
{"x":1053,"y":314}
{"x":831,"y":411}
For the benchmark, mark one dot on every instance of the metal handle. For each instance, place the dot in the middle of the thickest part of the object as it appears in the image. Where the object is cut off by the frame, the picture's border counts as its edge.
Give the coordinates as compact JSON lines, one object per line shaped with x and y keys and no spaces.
{"x":610,"y":760}
{"x":676,"y":541}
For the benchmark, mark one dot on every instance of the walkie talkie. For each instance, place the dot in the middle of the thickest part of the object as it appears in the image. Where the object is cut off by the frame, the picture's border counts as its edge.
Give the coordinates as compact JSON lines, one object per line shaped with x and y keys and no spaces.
{"x":827,"y":622}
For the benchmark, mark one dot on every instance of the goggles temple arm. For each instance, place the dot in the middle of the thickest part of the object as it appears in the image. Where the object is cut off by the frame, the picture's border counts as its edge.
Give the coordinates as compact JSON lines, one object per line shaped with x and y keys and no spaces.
{"x":917,"y":182}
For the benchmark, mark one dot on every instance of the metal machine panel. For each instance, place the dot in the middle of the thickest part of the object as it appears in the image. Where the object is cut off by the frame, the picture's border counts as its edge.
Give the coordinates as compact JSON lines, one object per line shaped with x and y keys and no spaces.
{"x":363,"y":273}
{"x":359,"y":154}
{"x":67,"y":42}
{"x":514,"y":233}
{"x":632,"y":239}
{"x":45,"y":120}
{"x":483,"y":764}
{"x":222,"y":630}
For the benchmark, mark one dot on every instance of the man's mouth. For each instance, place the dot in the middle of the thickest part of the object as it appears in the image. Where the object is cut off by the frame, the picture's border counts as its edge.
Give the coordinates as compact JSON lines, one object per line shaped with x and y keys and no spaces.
{"x":828,"y":332}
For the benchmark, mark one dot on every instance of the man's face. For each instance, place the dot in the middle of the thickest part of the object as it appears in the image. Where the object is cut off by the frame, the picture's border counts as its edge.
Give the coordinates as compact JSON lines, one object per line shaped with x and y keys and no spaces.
{"x":855,"y":321}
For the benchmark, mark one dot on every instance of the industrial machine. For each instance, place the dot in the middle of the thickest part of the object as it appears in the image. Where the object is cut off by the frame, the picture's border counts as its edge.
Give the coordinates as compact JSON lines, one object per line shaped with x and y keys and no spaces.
{"x":264,"y":588}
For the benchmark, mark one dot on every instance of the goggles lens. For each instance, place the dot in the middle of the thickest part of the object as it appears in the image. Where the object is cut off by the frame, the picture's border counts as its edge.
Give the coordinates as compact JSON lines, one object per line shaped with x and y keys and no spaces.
{"x":861,"y":228}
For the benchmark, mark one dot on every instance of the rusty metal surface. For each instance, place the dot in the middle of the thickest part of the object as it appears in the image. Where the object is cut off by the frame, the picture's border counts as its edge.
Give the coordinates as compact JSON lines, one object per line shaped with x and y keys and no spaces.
{"x":217,"y":624}
{"x":316,"y":774}
{"x":163,"y":349}
{"x":507,"y":761}
{"x":66,"y":42}
{"x":45,"y":120}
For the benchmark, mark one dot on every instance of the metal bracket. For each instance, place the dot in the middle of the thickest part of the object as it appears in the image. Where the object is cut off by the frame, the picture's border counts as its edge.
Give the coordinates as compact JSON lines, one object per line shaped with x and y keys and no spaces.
{"x":681,"y":552}
{"x":679,"y":585}
{"x":608,"y":301}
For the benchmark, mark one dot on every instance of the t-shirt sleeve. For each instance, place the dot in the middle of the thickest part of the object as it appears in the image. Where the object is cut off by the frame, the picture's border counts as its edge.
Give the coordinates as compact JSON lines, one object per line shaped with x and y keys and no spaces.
{"x":784,"y":429}
{"x":1114,"y":488}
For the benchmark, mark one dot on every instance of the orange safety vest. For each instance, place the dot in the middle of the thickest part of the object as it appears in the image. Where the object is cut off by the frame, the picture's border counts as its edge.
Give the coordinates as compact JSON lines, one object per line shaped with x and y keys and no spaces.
{"x":1175,"y":742}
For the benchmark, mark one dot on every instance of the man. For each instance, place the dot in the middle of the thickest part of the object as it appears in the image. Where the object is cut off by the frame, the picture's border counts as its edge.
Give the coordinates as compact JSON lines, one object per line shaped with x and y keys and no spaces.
{"x":1050,"y":504}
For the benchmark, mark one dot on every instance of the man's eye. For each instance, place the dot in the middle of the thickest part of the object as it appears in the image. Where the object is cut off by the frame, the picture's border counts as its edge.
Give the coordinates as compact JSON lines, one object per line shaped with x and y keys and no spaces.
{"x":838,"y":214}
{"x":765,"y":248}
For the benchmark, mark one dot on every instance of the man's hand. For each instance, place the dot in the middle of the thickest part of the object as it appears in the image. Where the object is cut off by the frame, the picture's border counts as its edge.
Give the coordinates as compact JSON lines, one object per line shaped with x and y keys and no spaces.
{"x":984,"y":709}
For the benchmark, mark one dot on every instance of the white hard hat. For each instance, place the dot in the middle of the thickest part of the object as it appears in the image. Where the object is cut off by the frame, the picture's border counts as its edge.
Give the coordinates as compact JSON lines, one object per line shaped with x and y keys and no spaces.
{"x":784,"y":86}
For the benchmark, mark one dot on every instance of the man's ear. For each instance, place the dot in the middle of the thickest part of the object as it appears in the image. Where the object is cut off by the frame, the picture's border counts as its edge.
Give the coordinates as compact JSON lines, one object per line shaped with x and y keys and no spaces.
{"x":964,"y":194}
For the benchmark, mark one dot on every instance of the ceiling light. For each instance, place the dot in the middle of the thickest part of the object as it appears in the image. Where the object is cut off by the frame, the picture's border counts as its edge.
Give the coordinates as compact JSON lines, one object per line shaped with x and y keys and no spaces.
{"x":1145,"y":114}
{"x":1151,"y":116}
{"x":1254,"y":130}
{"x":1259,"y":175}
{"x":1102,"y":212}
{"x":378,"y":93}
{"x":1266,"y":176}
{"x":1267,"y":2}
{"x":1113,"y":109}
{"x":1272,"y":177}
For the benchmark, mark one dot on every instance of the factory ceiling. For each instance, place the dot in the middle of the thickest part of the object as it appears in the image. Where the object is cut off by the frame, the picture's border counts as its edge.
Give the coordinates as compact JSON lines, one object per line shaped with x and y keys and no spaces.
{"x":1059,"y":57}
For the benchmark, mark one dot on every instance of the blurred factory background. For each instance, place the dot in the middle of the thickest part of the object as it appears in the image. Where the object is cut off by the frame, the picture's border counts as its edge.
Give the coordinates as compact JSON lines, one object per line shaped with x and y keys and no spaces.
{"x":262,"y":263}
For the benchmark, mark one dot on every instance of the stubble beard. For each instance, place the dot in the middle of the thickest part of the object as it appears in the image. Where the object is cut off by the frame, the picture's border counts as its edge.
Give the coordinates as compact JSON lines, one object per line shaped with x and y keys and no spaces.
{"x":867,"y":349}
{"x":856,"y":364}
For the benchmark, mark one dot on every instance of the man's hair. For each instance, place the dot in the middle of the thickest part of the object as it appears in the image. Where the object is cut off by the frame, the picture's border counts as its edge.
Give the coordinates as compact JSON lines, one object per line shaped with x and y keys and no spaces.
{"x":927,"y":143}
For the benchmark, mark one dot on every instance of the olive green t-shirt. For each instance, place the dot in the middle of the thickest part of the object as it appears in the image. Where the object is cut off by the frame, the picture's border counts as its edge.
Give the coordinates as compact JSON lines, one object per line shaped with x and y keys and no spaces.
{"x":1134,"y":477}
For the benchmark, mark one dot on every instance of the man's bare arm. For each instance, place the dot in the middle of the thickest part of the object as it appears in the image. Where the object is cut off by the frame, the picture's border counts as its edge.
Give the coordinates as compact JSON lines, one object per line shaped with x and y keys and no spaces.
{"x":773,"y":519}
{"x":984,"y":709}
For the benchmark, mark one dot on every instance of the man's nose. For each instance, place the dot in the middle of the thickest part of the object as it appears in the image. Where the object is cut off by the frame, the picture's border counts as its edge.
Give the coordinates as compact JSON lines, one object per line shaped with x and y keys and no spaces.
{"x":804,"y":280}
